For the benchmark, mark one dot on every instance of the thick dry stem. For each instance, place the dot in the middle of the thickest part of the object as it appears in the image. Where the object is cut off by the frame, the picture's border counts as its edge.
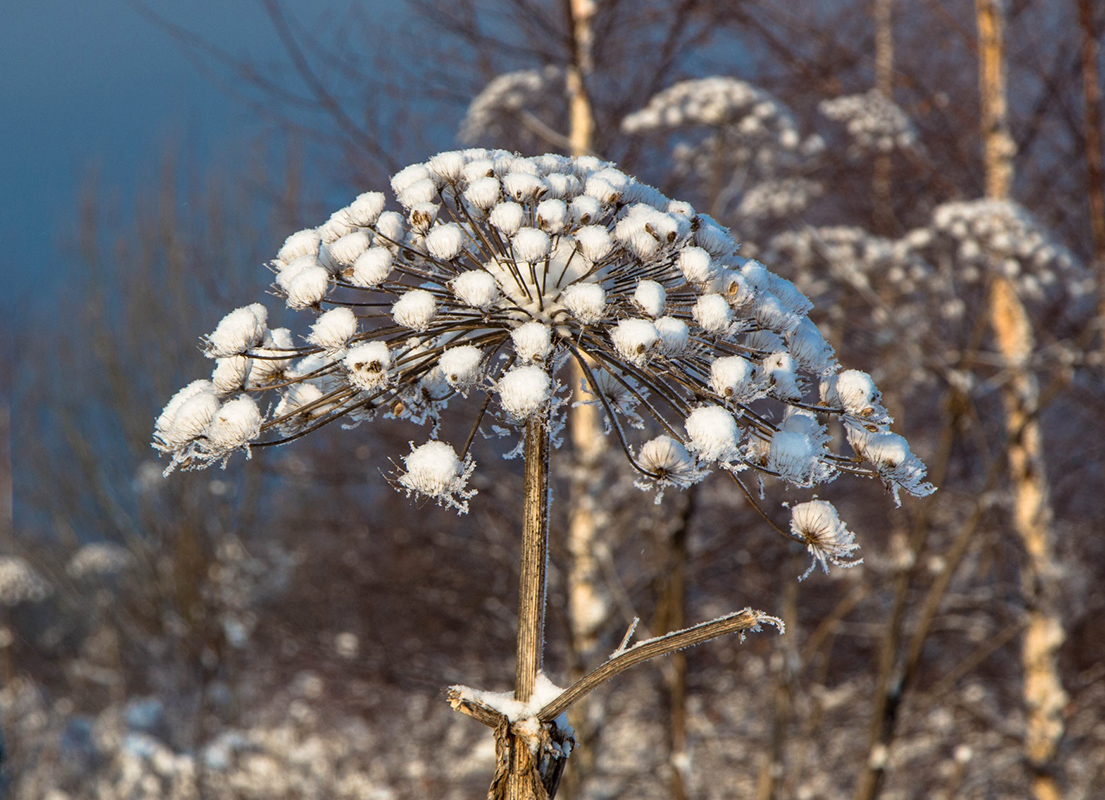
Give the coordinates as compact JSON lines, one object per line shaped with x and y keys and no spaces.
{"x":535,"y":551}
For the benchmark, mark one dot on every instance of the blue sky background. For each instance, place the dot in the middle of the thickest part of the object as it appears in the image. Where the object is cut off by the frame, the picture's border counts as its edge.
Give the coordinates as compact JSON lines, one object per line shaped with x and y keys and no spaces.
{"x":94,"y":85}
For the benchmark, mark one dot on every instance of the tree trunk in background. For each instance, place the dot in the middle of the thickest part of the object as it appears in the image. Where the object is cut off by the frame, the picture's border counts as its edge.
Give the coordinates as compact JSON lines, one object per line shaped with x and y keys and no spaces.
{"x":884,"y":220}
{"x":1095,"y":172}
{"x":589,"y":605}
{"x":1043,"y":694}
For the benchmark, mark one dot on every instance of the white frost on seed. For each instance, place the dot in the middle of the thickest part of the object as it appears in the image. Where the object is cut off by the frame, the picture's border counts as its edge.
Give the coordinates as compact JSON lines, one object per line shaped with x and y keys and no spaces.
{"x":445,"y":241}
{"x":532,"y":342}
{"x":371,"y":268}
{"x":714,"y":435}
{"x":523,"y":391}
{"x":368,"y":364}
{"x":433,"y":470}
{"x":734,"y":379}
{"x":241,"y":329}
{"x":333,"y":329}
{"x":461,"y":366}
{"x":634,"y":340}
{"x":415,"y":309}
{"x":712,"y":312}
{"x":674,"y":336}
{"x":826,"y":537}
{"x":475,"y":288}
{"x":236,"y":424}
{"x":586,"y":302}
{"x":650,"y":297}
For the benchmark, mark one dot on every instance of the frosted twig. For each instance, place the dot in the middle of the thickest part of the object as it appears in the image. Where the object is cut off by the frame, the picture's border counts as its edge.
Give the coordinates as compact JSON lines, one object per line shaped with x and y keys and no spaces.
{"x":626,"y":638}
{"x":745,"y":620}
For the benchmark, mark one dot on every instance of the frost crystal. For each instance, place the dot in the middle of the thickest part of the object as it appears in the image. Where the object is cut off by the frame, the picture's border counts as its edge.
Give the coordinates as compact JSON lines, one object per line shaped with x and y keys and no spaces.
{"x":500,"y":270}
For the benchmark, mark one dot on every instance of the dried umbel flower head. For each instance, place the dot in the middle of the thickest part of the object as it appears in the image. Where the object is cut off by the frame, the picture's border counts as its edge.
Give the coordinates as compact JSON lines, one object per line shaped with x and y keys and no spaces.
{"x":817,"y":524}
{"x":20,"y":583}
{"x":493,"y":290}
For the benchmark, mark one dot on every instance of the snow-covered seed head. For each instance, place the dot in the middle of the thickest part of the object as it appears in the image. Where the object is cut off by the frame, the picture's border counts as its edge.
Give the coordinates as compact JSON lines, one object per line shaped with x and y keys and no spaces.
{"x":300,"y":243}
{"x":523,"y":391}
{"x":507,"y":218}
{"x":713,"y":314}
{"x":347,"y":249}
{"x":415,"y":309}
{"x":237,"y":332}
{"x":668,"y":464}
{"x":483,"y":193}
{"x":231,"y":374}
{"x":794,"y":457}
{"x":674,"y":336}
{"x":461,"y":366}
{"x":696,"y":265}
{"x":594,"y":242}
{"x":434,"y":470}
{"x":714,"y":435}
{"x":475,"y":288}
{"x":445,"y":241}
{"x":650,"y":297}
{"x":371,"y":268}
{"x":733,"y":378}
{"x":532,"y":341}
{"x":366,"y":209}
{"x":333,"y":329}
{"x":818,"y":525}
{"x":552,"y":216}
{"x":530,"y":244}
{"x":586,"y":302}
{"x":585,"y":209}
{"x":305,"y":282}
{"x":186,"y":415}
{"x":778,"y":368}
{"x":367,"y":364}
{"x":236,"y":424}
{"x":634,"y":340}
{"x":895,"y":462}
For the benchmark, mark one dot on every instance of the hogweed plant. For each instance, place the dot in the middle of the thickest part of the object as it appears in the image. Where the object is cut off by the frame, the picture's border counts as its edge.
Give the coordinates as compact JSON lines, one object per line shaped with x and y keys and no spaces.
{"x":498,"y":271}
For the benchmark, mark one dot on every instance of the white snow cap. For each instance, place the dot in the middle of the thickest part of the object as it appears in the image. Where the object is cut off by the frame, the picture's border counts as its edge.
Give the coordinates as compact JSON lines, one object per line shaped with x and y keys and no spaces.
{"x":634,"y":339}
{"x":483,"y":193}
{"x":650,"y":296}
{"x":670,"y":464}
{"x":827,"y":538}
{"x":714,"y":435}
{"x":532,"y":341}
{"x":461,"y":366}
{"x":734,"y":379}
{"x":370,"y":269}
{"x":415,"y":309}
{"x":696,"y":265}
{"x":300,"y":243}
{"x":434,"y":470}
{"x":594,"y":242}
{"x":366,"y":209}
{"x":586,"y":302}
{"x":445,"y":241}
{"x":674,"y":336}
{"x":507,"y":218}
{"x":230,"y":374}
{"x":475,"y":288}
{"x":237,"y":332}
{"x":236,"y":424}
{"x":712,"y":312}
{"x":305,"y":282}
{"x":182,"y":419}
{"x":523,"y":391}
{"x":333,"y":329}
{"x":368,"y":365}
{"x":530,"y":244}
{"x":348,"y":248}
